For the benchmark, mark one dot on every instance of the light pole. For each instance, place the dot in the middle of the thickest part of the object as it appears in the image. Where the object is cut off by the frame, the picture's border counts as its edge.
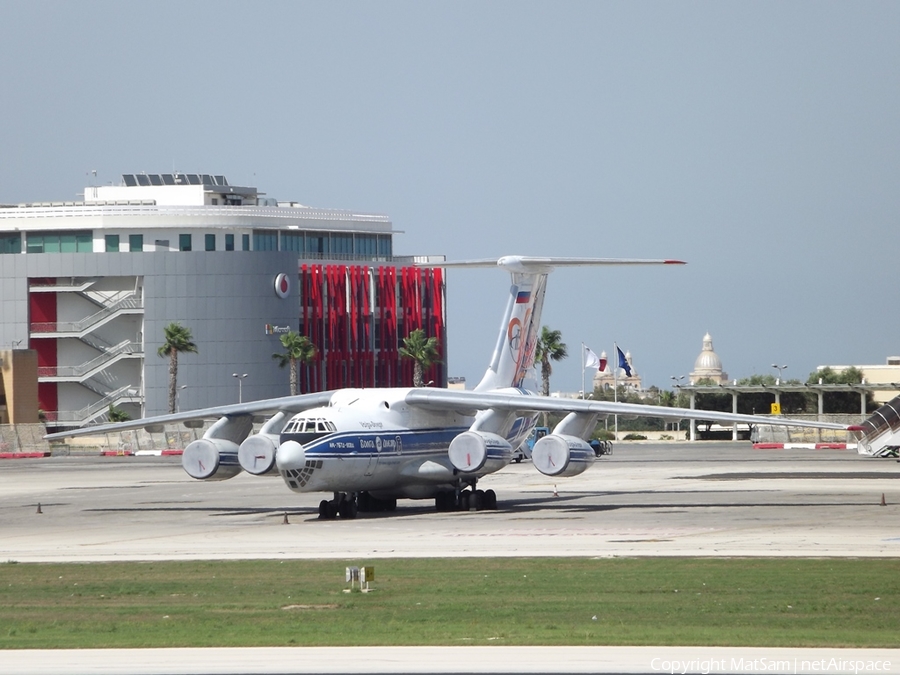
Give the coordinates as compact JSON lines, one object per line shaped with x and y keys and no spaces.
{"x":677,"y":381}
{"x":240,"y":379}
{"x":779,"y":368}
{"x":178,"y":397}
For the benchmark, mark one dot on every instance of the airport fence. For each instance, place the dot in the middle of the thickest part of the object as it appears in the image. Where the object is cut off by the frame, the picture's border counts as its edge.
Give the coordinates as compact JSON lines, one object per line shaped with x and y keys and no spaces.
{"x":172,"y":437}
{"x":22,"y":438}
{"x":767,"y":433}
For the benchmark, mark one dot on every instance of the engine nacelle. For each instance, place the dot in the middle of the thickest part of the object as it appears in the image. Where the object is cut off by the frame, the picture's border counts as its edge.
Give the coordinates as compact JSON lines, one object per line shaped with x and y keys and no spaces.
{"x":558,"y":455}
{"x":474,"y":451}
{"x":257,"y":454}
{"x":211,"y":459}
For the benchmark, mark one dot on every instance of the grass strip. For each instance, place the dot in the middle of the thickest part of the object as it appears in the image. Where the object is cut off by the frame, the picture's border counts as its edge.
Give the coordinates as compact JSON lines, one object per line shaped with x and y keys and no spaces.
{"x":795,"y":602}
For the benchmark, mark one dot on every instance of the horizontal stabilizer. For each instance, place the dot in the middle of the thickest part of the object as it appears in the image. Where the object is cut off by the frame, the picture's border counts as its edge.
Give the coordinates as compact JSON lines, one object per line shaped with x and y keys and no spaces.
{"x":545,"y":264}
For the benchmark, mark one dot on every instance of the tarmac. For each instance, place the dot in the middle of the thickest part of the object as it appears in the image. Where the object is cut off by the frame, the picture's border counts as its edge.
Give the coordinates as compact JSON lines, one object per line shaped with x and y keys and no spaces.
{"x":646,"y":499}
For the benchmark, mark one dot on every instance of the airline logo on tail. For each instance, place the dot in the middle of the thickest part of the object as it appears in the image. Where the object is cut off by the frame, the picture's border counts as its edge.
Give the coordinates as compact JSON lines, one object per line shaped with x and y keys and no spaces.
{"x":522,"y":331}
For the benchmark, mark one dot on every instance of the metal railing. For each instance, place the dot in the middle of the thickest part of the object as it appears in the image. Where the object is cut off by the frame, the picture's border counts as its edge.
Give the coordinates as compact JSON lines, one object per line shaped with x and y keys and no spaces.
{"x":61,"y":285}
{"x":132,"y":301}
{"x":125,"y":348}
{"x":127,"y":394}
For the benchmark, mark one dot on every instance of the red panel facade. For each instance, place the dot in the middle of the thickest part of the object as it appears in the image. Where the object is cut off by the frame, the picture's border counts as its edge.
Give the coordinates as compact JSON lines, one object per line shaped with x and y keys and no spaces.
{"x":358,"y":316}
{"x":42,"y":310}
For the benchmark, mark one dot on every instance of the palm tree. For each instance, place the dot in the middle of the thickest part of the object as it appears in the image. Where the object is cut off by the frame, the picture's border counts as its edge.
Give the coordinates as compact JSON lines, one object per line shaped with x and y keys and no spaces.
{"x":422,"y":350}
{"x":550,"y":347}
{"x":116,"y":414}
{"x":297,"y":349}
{"x":178,"y":339}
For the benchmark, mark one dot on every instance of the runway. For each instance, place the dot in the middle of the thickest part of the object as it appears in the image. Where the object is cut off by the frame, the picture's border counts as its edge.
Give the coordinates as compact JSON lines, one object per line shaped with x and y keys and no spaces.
{"x":675,"y":499}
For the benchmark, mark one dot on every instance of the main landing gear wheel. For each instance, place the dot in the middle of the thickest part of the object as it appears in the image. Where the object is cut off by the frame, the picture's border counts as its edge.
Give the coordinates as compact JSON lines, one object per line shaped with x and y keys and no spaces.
{"x":370,"y":504}
{"x":343,"y":504}
{"x":478,"y":500}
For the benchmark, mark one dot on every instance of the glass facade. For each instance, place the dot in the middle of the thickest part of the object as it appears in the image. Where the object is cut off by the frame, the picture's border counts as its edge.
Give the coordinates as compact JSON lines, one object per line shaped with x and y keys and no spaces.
{"x":336,"y":245}
{"x":11,"y":243}
{"x":265,"y":240}
{"x":292,"y":241}
{"x":306,"y":244}
{"x":59,"y":242}
{"x":385,"y":249}
{"x":341,"y":245}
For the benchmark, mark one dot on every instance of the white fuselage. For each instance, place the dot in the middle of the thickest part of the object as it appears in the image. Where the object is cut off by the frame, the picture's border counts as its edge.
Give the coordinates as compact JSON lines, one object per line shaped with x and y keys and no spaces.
{"x":371,"y":440}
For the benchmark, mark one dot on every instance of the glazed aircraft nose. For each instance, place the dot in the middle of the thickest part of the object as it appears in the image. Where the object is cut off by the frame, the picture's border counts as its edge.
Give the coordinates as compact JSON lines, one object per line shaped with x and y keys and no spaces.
{"x":290,"y":455}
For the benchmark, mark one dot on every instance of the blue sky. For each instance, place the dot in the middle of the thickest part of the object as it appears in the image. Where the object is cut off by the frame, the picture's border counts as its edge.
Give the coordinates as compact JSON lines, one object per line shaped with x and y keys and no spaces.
{"x":758,"y":141}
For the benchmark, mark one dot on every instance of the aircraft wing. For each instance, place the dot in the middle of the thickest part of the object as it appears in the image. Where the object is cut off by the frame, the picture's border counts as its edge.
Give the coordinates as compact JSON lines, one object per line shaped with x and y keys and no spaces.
{"x":446,"y":399}
{"x":290,"y":404}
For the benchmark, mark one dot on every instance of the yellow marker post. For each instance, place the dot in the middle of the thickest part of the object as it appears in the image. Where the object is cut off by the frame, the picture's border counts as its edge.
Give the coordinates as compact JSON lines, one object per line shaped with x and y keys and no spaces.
{"x":366,"y":574}
{"x":776,"y":408}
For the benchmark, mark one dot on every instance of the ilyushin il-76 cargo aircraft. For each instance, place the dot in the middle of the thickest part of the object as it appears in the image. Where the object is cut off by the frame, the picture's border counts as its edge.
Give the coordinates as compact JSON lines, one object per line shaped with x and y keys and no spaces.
{"x":370,"y":447}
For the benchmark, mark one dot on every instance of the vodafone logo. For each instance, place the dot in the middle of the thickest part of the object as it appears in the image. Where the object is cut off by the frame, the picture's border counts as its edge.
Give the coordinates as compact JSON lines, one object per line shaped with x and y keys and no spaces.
{"x":282,"y":285}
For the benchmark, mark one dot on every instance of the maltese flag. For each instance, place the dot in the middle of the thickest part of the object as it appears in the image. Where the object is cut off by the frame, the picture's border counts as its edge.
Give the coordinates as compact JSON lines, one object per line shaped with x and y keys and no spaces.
{"x":591,"y":360}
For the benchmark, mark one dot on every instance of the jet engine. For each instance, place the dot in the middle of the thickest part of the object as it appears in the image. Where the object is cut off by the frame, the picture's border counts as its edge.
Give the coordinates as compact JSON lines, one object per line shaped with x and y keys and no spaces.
{"x":211,"y":459}
{"x":257,"y":454}
{"x":473,"y":451}
{"x":564,"y":456}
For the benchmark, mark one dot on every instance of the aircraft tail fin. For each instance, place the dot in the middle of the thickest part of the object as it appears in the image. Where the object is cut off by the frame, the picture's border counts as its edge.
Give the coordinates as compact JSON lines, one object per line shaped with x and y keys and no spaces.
{"x":879,"y":434}
{"x":514,"y":350}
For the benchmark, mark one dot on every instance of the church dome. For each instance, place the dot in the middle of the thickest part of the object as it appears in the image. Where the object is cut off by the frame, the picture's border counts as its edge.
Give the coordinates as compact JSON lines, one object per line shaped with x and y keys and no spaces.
{"x":708,"y":359}
{"x":708,"y":364}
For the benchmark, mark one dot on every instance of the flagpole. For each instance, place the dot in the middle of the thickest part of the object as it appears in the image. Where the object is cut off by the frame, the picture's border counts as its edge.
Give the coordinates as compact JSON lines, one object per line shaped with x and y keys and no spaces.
{"x":582,"y":371}
{"x":616,"y":389}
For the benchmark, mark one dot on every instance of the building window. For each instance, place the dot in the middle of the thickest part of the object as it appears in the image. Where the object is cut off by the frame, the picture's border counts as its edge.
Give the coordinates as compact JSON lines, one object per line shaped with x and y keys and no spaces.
{"x":135,"y":243}
{"x":384,"y":248}
{"x":215,"y":201}
{"x":316,"y":245}
{"x":184,"y":242}
{"x":265,"y":241}
{"x":59,"y":242}
{"x":292,"y":241}
{"x":210,"y":242}
{"x":229,"y":242}
{"x":245,"y":242}
{"x":10,"y":243}
{"x":161,"y":244}
{"x":341,"y":245}
{"x":364,"y":245}
{"x":112,"y":243}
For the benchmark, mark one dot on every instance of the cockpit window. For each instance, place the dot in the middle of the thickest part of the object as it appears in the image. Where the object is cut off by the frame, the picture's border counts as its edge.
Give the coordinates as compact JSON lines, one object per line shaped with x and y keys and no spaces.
{"x":309,"y":425}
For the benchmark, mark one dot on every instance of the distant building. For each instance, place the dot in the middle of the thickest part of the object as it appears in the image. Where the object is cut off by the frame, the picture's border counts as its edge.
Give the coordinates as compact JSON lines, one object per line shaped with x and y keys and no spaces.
{"x":18,"y":387}
{"x":608,"y":378}
{"x":708,"y":364}
{"x":456,"y":382}
{"x":89,"y":286}
{"x":888,"y":373}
